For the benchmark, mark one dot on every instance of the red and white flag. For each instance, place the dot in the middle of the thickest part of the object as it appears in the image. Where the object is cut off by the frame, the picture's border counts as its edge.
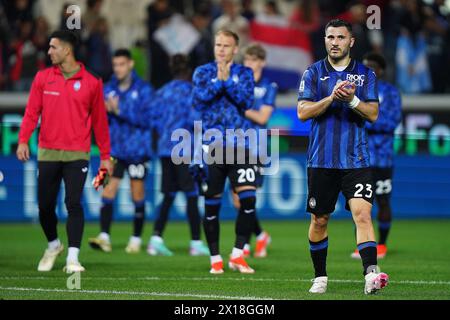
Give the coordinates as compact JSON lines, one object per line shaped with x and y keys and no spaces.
{"x":288,"y":49}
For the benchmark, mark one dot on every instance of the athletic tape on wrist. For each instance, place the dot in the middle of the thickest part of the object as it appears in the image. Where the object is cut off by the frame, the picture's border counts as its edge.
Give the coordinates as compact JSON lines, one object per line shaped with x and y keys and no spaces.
{"x":354,"y":103}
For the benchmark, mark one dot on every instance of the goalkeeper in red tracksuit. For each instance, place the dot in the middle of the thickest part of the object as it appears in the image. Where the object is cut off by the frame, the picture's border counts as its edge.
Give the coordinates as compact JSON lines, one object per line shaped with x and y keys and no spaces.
{"x":69,"y":101}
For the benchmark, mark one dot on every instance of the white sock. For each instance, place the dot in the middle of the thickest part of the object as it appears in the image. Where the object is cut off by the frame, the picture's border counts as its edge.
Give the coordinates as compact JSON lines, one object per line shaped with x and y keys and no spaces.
{"x":72,"y":255}
{"x":196,"y":243}
{"x":156,"y":239}
{"x":53,"y":245}
{"x":236,"y":253}
{"x":247,"y":247}
{"x":104,"y":236}
{"x":261,"y":236}
{"x":215,"y":259}
{"x":135,"y":240}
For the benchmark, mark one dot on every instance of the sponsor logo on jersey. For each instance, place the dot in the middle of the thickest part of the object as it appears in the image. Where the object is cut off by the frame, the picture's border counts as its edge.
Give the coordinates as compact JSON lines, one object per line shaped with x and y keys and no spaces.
{"x":357,"y":79}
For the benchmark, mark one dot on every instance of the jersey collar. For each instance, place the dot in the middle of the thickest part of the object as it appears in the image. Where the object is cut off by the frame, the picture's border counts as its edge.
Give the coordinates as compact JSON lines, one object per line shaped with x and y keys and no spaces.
{"x":329,"y":67}
{"x":77,"y":75}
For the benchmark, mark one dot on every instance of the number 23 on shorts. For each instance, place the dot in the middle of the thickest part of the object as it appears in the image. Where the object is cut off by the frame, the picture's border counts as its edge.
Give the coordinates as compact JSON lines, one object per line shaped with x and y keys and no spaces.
{"x":360,"y":188}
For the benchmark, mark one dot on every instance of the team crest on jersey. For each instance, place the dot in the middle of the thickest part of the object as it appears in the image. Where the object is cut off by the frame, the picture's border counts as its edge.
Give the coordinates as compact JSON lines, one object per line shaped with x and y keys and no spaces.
{"x":134,"y":94}
{"x":312,"y":202}
{"x":77,"y":86}
{"x":235,"y":78}
{"x":357,"y":79}
{"x":260,"y":92}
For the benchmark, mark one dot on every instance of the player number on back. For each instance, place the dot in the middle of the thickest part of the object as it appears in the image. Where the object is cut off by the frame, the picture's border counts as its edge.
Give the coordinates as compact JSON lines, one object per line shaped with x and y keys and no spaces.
{"x":246,"y":175}
{"x":136,"y":171}
{"x":360,"y":187}
{"x":384,"y":186}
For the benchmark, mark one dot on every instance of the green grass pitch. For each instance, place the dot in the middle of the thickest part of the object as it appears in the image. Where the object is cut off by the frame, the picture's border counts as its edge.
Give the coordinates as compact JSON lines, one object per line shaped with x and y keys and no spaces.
{"x":418,"y":263}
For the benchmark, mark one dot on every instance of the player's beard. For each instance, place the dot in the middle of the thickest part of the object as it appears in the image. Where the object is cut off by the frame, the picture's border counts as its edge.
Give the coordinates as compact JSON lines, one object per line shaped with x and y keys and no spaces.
{"x":344,"y":55}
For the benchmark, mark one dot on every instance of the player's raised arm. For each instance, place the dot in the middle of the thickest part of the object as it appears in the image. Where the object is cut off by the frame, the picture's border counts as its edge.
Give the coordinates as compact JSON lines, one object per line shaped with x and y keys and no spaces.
{"x":206,"y":88}
{"x":307,"y":108}
{"x":139,"y":112}
{"x":240,"y":88}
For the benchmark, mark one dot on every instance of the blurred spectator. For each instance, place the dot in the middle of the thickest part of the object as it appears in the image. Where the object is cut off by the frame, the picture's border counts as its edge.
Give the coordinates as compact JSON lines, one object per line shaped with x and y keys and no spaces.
{"x":4,"y":40}
{"x":271,"y":8}
{"x":271,"y":15}
{"x":365,"y":40}
{"x":332,"y":8}
{"x":92,"y":15}
{"x":18,"y":11}
{"x":306,"y":16}
{"x":437,"y":30}
{"x":415,"y":33}
{"x":203,"y":52}
{"x":181,"y":7}
{"x":391,"y":30}
{"x":41,"y":37}
{"x":26,"y":57}
{"x":232,"y":19}
{"x":158,"y":14}
{"x":413,"y":75}
{"x":99,"y":50}
{"x":247,"y":10}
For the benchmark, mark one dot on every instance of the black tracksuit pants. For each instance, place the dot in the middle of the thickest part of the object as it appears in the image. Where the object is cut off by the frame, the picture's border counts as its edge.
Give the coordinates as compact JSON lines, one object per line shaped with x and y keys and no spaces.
{"x":50,"y":175}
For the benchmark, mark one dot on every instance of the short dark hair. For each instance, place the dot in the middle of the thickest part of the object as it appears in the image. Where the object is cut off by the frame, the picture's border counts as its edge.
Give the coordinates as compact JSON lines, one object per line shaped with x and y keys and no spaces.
{"x":180,"y":66}
{"x":66,"y":36}
{"x":256,"y":50}
{"x":229,"y":33}
{"x":336,"y":23}
{"x":122,"y":52}
{"x":377,"y":58}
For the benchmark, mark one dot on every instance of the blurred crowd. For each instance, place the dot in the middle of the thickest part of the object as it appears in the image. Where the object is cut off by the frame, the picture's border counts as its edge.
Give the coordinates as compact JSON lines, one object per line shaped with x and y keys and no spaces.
{"x":414,"y":34}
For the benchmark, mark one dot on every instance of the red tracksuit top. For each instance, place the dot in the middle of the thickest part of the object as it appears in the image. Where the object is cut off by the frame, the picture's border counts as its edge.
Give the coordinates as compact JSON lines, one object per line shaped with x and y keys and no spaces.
{"x":69,"y":110}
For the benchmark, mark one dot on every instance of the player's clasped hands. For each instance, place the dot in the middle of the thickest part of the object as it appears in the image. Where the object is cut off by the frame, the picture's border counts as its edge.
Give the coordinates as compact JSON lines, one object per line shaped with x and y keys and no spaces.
{"x":344,"y":91}
{"x":223,"y":70}
{"x":112,"y":104}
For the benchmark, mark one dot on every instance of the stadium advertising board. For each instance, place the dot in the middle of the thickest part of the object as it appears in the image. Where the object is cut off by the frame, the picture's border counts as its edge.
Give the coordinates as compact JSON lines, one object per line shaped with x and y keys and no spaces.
{"x":419,"y":189}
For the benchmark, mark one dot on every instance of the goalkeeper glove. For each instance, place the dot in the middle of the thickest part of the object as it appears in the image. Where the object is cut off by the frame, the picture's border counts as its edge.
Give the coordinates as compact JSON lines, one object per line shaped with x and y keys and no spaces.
{"x":101,"y":179}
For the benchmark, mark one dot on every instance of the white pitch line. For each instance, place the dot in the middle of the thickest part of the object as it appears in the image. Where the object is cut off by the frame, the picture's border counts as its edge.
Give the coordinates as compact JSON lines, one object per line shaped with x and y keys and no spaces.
{"x":136,"y":293}
{"x":220,"y":278}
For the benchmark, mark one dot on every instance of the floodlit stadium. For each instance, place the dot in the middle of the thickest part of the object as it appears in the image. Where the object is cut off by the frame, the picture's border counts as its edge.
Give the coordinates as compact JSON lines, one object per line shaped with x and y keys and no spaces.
{"x":352,"y":115}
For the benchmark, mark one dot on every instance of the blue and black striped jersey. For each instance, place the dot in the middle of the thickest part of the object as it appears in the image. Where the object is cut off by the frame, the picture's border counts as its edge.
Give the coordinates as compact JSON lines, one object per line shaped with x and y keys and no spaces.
{"x":381,"y":132}
{"x":338,"y":137}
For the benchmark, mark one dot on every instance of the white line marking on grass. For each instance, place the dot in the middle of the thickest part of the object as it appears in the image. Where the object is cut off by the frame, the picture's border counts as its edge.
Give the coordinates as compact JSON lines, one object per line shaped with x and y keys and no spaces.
{"x":136,"y":293}
{"x":221,"y":278}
